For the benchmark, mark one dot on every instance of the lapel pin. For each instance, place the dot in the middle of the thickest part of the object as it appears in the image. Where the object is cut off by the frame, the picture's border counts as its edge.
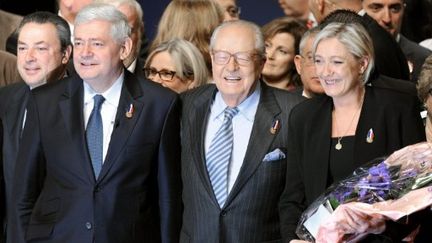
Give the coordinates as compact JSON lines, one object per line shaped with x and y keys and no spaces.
{"x":370,"y":136}
{"x":275,"y":127}
{"x":130,"y":111}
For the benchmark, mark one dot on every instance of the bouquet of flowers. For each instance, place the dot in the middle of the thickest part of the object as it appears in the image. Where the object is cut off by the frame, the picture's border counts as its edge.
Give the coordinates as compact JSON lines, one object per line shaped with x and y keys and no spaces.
{"x":394,"y":187}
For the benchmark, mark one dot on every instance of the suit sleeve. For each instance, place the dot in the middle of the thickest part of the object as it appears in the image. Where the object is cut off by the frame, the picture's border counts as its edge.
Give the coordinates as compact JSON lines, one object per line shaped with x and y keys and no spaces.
{"x":292,"y":200}
{"x":29,"y":176}
{"x":169,"y":176}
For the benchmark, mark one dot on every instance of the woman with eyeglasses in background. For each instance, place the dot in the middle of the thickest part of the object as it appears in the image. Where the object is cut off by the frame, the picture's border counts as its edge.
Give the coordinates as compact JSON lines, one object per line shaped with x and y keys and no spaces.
{"x":177,"y":65}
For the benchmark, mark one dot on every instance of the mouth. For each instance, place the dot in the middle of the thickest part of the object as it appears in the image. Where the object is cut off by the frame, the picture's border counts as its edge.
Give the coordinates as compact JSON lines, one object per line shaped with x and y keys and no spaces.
{"x":31,"y":70}
{"x":331,"y":81}
{"x":232,"y":78}
{"x":87,"y":64}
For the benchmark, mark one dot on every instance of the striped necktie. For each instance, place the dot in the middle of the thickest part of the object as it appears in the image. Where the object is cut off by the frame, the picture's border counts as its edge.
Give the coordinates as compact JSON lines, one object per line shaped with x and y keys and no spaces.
{"x":219,"y":156}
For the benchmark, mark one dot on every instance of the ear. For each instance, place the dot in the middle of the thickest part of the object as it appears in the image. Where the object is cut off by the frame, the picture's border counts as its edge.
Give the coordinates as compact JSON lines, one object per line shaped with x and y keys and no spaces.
{"x":364,"y":62}
{"x":297,"y":62}
{"x":66,"y":54}
{"x":126,"y":48}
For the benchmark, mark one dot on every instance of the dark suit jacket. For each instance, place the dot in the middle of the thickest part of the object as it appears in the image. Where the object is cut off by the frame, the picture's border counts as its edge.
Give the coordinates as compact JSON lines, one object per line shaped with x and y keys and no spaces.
{"x":13,"y":100}
{"x":394,"y":118}
{"x":250,"y":213}
{"x":137,"y":196}
{"x":414,"y":53}
{"x":394,"y":84}
{"x":389,"y":58}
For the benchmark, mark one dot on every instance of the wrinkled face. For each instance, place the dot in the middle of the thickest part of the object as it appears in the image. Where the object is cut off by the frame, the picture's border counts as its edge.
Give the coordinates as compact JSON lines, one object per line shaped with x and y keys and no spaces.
{"x":162,"y":70}
{"x":306,"y":68}
{"x":230,"y":9}
{"x":97,"y":56}
{"x":294,"y":8}
{"x":39,"y":56}
{"x":235,"y":46}
{"x":339,"y":71}
{"x":280,"y":54}
{"x":134,"y":24}
{"x":388,"y":13}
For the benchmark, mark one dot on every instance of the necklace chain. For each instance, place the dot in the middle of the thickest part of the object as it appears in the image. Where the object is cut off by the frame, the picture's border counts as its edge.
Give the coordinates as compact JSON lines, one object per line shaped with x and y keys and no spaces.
{"x":338,"y":145}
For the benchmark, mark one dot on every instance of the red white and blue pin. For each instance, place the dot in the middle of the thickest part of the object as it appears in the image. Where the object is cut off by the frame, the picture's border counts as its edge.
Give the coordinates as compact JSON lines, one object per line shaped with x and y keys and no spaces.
{"x":370,"y":136}
{"x":275,"y":127}
{"x":130,"y":111}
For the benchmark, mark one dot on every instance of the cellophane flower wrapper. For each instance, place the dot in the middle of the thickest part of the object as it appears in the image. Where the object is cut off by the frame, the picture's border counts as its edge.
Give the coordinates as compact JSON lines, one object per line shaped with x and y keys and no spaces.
{"x":393,"y":188}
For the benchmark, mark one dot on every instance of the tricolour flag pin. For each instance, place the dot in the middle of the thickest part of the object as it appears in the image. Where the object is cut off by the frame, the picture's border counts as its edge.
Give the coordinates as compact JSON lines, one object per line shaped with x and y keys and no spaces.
{"x":370,"y":136}
{"x":275,"y":127}
{"x":130,"y":111}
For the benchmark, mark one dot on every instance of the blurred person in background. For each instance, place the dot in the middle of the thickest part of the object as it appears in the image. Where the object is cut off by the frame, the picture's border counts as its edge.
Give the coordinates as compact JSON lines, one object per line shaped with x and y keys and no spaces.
{"x":282,"y":37}
{"x":176,"y":64}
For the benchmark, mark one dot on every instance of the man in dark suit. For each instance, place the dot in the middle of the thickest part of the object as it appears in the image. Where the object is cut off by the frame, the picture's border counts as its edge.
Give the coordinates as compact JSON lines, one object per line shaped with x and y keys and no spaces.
{"x":389,"y":58}
{"x":389,"y":14}
{"x":44,"y":50}
{"x":99,"y":158}
{"x":234,"y":136}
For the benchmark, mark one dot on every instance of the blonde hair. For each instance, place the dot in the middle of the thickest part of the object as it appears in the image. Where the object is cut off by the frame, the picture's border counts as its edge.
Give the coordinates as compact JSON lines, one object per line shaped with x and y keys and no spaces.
{"x":188,"y":60}
{"x":193,"y":21}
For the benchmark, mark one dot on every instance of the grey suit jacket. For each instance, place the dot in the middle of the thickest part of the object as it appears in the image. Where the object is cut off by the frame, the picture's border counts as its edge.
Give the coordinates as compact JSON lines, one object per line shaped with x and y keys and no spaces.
{"x":250,"y":213}
{"x":415,"y":54}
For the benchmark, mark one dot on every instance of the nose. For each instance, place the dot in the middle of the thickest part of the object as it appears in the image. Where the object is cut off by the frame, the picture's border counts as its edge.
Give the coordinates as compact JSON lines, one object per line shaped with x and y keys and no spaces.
{"x":29,"y":56}
{"x":270,"y":52}
{"x":386,"y":16}
{"x":232,"y":64}
{"x":86,"y":50}
{"x":324,"y":70}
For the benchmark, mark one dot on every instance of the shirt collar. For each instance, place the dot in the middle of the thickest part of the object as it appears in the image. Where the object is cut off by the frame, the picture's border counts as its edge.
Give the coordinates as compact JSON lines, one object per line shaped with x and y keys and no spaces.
{"x":247,"y":108}
{"x":111,"y":95}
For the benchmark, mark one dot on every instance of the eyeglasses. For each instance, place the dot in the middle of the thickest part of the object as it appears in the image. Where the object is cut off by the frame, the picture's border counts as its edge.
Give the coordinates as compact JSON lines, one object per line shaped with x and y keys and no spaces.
{"x":164,"y":75}
{"x":233,"y":11}
{"x":308,"y":59}
{"x":242,"y":58}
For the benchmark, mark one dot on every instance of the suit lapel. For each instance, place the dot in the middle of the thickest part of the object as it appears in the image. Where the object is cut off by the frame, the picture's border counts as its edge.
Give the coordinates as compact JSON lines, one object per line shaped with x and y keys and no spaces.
{"x":198,"y":124}
{"x":71,"y":108}
{"x":123,"y":125}
{"x":260,"y":140}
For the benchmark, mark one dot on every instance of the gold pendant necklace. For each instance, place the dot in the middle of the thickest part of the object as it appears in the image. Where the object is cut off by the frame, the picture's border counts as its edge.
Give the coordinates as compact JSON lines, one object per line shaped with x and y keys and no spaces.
{"x":338,"y":145}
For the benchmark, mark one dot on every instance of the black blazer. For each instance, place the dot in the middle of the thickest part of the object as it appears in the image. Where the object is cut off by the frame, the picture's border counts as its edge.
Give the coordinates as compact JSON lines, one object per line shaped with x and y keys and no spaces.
{"x":250,"y":213}
{"x":415,"y":54}
{"x":394,"y":118}
{"x":13,"y":100}
{"x":136,"y":197}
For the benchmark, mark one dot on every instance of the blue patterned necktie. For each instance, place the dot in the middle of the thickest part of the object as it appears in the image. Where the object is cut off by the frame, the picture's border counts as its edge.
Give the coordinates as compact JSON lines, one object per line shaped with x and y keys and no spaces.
{"x":219,"y":156}
{"x":94,"y":134}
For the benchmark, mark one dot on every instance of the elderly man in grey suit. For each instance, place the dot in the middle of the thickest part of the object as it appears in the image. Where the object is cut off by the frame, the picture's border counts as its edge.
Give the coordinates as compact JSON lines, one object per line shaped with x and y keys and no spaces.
{"x":234,"y":138}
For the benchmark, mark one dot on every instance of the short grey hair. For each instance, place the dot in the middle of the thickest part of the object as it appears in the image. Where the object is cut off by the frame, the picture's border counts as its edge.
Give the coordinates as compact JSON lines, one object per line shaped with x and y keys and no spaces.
{"x":259,"y":38}
{"x":306,"y":36}
{"x":132,"y":3}
{"x":120,"y":29}
{"x":354,"y":37}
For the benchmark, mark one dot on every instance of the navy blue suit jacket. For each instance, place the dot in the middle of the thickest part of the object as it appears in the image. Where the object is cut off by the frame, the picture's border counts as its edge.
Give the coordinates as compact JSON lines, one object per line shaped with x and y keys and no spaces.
{"x":137,"y":196}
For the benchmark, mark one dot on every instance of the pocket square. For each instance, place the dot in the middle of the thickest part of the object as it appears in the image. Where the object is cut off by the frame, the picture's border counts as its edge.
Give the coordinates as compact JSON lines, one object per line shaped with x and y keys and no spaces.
{"x":276,"y":154}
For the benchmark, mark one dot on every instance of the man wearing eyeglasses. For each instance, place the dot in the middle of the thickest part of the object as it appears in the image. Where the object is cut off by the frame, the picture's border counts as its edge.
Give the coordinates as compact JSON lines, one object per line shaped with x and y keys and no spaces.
{"x":230,"y":9}
{"x":234,"y":136}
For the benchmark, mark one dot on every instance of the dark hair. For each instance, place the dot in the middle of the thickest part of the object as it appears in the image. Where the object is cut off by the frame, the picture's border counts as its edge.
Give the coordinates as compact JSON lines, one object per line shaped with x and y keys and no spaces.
{"x":43,"y":17}
{"x":343,"y":16}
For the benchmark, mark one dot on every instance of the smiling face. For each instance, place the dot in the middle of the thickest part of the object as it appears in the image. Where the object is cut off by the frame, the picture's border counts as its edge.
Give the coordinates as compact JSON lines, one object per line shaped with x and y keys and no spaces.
{"x":97,"y":56}
{"x":39,"y":56}
{"x":235,"y":81}
{"x":388,"y":13}
{"x":280,"y":53}
{"x":339,"y":71}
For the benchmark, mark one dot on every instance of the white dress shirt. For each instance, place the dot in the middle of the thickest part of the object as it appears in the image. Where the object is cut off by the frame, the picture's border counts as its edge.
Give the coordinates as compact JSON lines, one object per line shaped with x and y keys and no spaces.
{"x":108,"y":109}
{"x":242,"y":128}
